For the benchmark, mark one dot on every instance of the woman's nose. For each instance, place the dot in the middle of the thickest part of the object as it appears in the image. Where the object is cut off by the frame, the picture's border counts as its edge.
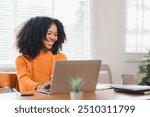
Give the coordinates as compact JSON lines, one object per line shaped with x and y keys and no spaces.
{"x":53,"y":37}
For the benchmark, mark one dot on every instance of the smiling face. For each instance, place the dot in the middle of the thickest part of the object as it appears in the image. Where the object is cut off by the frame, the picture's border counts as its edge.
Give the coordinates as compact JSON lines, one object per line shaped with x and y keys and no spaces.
{"x":51,"y":38}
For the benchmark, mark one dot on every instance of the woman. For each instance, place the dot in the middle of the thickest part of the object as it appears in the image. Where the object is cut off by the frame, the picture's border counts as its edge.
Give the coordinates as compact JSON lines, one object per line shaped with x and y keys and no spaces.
{"x":39,"y":41}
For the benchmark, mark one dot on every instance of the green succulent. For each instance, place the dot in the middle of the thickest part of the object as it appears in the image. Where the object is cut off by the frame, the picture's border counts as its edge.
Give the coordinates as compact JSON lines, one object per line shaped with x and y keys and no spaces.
{"x":76,"y":84}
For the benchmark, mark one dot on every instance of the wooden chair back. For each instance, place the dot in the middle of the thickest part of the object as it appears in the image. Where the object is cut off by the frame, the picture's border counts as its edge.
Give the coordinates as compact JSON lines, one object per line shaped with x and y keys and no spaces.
{"x":105,"y":74}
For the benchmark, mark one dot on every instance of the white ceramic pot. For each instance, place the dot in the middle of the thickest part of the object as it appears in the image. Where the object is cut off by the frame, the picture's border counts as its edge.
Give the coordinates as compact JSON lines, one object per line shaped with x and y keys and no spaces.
{"x":76,"y":96}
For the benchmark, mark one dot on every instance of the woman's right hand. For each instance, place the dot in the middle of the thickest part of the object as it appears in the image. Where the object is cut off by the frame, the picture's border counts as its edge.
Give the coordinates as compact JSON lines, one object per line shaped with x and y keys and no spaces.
{"x":44,"y":86}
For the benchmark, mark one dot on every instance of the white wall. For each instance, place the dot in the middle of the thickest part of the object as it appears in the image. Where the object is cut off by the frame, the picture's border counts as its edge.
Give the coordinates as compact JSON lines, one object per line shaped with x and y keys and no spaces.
{"x":109,"y":19}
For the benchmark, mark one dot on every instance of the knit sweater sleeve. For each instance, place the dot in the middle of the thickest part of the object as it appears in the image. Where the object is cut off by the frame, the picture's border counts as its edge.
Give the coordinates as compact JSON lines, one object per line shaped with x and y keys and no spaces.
{"x":23,"y":75}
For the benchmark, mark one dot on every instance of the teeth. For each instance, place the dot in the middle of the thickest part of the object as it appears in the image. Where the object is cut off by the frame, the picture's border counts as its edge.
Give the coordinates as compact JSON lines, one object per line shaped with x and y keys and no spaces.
{"x":50,"y":42}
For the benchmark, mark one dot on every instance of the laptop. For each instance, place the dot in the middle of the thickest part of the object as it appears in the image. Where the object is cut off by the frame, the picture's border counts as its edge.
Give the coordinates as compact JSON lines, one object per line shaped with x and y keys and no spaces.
{"x":88,"y":70}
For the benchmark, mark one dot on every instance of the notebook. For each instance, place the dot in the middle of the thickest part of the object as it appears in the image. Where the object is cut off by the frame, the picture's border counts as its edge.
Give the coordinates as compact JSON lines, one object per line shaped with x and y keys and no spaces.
{"x":88,"y":70}
{"x":134,"y":89}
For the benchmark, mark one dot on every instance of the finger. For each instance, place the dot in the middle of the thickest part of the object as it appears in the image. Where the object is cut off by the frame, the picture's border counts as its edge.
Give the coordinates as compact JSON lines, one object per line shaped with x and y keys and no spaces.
{"x":49,"y":82}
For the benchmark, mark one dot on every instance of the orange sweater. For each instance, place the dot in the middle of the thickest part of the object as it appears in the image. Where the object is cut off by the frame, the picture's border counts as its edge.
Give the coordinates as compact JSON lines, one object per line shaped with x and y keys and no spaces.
{"x":30,"y":73}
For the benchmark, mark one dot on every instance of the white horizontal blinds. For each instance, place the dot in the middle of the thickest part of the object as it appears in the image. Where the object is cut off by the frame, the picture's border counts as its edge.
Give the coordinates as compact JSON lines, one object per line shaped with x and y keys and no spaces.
{"x":26,"y":9}
{"x":12,"y":14}
{"x":7,"y":23}
{"x":74,"y":15}
{"x":138,"y":26}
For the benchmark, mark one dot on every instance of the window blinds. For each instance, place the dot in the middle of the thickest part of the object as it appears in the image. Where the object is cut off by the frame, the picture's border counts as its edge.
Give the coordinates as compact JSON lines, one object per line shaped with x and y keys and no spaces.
{"x":72,"y":13}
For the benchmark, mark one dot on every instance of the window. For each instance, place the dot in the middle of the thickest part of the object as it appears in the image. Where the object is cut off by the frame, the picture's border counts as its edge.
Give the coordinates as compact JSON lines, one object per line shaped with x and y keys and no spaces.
{"x":138,"y":26}
{"x":73,"y":14}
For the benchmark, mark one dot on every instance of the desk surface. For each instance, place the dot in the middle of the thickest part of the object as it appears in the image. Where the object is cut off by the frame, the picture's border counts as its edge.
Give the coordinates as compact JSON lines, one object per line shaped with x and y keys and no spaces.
{"x":108,"y":94}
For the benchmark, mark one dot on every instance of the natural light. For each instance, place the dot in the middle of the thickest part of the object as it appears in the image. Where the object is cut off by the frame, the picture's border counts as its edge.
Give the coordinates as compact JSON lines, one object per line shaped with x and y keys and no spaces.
{"x":73,"y":14}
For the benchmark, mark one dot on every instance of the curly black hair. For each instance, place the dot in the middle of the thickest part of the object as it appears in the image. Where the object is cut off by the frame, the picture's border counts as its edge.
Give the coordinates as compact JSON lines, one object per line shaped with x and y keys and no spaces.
{"x":30,"y":35}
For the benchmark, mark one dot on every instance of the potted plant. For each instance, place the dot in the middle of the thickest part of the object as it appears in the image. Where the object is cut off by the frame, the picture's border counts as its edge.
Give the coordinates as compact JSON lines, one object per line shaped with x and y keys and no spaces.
{"x":145,"y":68}
{"x":76,"y":85}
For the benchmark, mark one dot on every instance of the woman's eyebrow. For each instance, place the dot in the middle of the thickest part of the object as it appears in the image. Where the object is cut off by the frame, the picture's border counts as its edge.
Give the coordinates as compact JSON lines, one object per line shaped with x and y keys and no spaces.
{"x":51,"y":31}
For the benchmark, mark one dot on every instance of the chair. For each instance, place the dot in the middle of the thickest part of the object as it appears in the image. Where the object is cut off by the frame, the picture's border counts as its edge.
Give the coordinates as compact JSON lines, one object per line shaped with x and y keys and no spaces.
{"x":8,"y":80}
{"x":105,"y":74}
{"x":131,"y":78}
{"x":127,"y":78}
